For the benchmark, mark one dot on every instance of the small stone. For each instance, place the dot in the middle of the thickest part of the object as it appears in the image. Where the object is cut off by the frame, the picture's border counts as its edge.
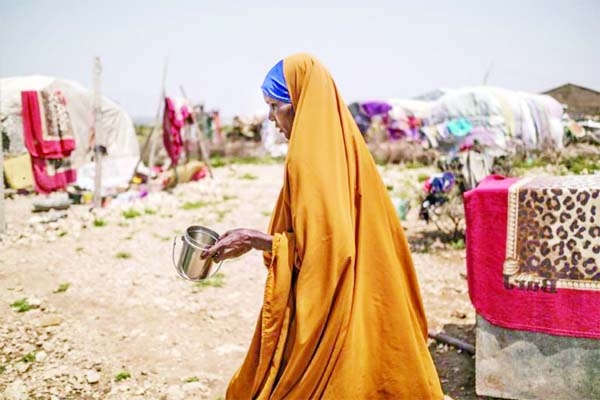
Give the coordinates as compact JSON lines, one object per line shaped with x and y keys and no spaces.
{"x":15,"y":391}
{"x":34,"y":302}
{"x":40,"y":356}
{"x":174,"y":392}
{"x":50,"y":320}
{"x":47,"y":346}
{"x":22,"y":367}
{"x":92,"y":376}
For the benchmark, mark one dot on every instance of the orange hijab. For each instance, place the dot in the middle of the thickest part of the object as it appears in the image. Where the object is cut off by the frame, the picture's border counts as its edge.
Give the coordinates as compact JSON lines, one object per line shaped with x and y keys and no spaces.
{"x":342,"y":315}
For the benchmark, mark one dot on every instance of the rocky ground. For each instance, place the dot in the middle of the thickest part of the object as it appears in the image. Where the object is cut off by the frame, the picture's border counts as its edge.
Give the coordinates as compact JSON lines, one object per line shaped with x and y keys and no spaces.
{"x":92,"y":308}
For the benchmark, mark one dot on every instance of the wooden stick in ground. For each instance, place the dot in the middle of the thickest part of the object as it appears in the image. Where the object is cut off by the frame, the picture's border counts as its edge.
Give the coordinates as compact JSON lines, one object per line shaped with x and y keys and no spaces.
{"x":203,"y":149}
{"x":155,"y":128}
{"x":452,"y":341}
{"x":157,"y":123}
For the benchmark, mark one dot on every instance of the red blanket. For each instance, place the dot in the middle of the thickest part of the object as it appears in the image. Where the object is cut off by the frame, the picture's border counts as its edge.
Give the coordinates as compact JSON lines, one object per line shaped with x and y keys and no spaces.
{"x":544,"y":307}
{"x":175,"y":116}
{"x":49,"y":139}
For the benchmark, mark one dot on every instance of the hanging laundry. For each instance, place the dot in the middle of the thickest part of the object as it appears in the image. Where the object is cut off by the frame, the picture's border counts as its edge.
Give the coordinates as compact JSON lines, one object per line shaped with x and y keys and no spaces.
{"x":459,"y":127}
{"x":442,"y":182}
{"x":48,"y":137}
{"x":176,"y":114}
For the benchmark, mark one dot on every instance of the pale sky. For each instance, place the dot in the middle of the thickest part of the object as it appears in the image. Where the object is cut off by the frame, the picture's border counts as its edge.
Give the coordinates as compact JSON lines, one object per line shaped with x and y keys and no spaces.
{"x":220,"y":50}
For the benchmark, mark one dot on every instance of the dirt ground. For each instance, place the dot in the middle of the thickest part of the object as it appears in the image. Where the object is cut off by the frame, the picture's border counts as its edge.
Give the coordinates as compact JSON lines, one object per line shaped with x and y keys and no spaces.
{"x":111,"y":319}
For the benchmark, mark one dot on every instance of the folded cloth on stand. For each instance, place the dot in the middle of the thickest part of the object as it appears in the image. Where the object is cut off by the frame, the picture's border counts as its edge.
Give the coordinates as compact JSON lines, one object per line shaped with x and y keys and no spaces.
{"x":49,"y":139}
{"x":46,"y":125}
{"x":549,"y":282}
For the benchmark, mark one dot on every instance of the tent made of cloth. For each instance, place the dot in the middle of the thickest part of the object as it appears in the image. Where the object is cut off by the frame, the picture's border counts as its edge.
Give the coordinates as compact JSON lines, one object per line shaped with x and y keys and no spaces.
{"x":117,"y":131}
{"x":501,"y":117}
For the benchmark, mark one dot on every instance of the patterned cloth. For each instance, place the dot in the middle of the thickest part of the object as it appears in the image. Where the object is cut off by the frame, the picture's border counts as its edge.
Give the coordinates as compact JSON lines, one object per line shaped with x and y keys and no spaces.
{"x":512,"y":295}
{"x":48,"y":135}
{"x":554,"y":231}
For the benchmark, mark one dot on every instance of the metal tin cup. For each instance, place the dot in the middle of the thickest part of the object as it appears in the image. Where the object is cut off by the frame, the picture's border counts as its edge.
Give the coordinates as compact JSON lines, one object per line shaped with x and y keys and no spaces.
{"x":189,"y":265}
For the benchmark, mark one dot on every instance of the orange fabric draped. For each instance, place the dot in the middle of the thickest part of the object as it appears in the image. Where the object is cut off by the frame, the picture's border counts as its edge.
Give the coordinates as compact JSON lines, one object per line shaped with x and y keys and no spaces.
{"x":342,"y":316}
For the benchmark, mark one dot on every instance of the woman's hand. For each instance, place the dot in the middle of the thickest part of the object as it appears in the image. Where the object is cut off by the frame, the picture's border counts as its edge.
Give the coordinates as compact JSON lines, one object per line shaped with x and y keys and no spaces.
{"x":237,"y":242}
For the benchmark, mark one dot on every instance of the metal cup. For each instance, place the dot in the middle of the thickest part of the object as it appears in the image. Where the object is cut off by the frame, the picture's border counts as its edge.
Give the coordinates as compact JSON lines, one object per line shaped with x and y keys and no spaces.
{"x":189,"y":265}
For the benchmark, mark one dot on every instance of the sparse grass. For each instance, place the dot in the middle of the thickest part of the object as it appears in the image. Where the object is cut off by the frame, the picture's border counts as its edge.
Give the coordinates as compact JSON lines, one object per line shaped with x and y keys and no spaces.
{"x":29,"y":357}
{"x":192,"y":379}
{"x":193,"y":205}
{"x":529,"y":163}
{"x":265,"y":213}
{"x":123,"y":224}
{"x":98,"y":222}
{"x":2,"y":369}
{"x":79,"y":249}
{"x":217,"y":161}
{"x":389,"y":187}
{"x":62,"y":233}
{"x":149,"y":211}
{"x":581,"y":165}
{"x":216,"y":281}
{"x":123,"y":255}
{"x":458,"y":244}
{"x":228,"y":197}
{"x":248,"y":176}
{"x":22,"y":305}
{"x":422,"y":178}
{"x":129,"y":237}
{"x":131,"y":213}
{"x":63,"y":287}
{"x":414,"y":165}
{"x":121,"y":376}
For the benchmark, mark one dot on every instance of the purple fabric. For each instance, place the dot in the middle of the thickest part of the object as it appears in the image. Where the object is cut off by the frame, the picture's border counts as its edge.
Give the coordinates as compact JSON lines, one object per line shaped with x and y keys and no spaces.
{"x":373,"y":108}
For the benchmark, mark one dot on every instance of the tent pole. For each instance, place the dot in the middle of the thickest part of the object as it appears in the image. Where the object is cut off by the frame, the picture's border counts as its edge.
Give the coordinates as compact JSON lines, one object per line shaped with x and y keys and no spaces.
{"x":97,"y":134}
{"x":149,"y":140}
{"x":157,"y":123}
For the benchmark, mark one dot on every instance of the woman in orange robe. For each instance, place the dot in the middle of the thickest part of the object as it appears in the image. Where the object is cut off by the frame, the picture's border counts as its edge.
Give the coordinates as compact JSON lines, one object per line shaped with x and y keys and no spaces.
{"x":342,"y":316}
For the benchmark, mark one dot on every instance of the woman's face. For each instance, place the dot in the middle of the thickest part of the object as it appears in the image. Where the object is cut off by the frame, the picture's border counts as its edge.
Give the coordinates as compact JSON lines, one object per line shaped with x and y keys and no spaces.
{"x":282,"y":114}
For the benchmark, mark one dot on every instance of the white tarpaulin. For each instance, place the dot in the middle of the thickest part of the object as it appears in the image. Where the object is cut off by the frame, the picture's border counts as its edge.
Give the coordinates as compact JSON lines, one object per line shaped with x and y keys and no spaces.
{"x":117,"y":131}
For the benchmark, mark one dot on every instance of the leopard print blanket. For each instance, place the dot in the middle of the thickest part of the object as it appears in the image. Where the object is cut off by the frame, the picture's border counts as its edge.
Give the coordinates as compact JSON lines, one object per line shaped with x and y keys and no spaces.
{"x":554,"y":232}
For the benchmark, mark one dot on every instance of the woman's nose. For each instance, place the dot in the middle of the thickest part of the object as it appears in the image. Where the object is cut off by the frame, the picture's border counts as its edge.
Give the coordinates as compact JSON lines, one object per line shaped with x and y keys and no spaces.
{"x":271,"y":116}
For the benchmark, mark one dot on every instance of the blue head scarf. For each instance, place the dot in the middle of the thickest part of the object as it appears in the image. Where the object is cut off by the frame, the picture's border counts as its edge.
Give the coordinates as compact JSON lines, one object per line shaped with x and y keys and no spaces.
{"x":274,"y":85}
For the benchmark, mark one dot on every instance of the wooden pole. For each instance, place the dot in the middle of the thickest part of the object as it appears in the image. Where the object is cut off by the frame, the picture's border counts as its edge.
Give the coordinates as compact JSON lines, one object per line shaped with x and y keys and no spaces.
{"x":149,"y":141}
{"x":452,"y":341}
{"x":203,"y":149}
{"x":157,"y":123}
{"x":98,"y":134}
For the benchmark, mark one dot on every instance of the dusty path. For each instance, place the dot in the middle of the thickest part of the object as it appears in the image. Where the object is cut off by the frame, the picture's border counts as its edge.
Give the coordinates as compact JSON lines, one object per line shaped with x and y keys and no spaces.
{"x":126,"y":312}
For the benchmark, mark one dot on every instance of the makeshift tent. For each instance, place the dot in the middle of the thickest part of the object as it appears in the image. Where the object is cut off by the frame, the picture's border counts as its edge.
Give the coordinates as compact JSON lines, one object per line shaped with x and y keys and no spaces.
{"x":117,"y":131}
{"x":499,"y":118}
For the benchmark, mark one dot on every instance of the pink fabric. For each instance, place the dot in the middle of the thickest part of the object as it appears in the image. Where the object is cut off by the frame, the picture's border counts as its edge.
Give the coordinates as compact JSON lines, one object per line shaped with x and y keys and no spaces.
{"x":563,"y":312}
{"x":47,"y":181}
{"x":173,"y":120}
{"x":45,"y":154}
{"x":33,"y":131}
